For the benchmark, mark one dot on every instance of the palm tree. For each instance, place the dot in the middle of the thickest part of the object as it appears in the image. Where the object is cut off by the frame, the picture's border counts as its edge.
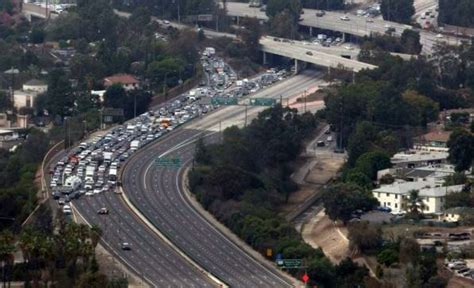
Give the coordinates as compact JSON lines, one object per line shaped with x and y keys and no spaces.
{"x":415,"y":204}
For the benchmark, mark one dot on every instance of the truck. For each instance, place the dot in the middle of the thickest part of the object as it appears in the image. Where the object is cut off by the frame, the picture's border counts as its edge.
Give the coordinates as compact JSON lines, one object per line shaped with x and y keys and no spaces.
{"x":108,"y":157}
{"x":90,"y":172}
{"x":73,"y":182}
{"x":134,"y":145}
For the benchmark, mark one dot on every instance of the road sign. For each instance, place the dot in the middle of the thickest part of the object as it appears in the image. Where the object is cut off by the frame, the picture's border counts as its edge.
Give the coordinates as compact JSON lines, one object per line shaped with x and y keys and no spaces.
{"x":305,"y":278}
{"x":224,"y":101}
{"x":289,"y":263}
{"x":168,"y":162}
{"x":262,"y":102}
{"x":269,"y":252}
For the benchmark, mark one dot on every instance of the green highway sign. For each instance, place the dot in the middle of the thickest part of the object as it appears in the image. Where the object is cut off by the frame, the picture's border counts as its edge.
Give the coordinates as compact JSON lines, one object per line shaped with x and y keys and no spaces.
{"x":262,"y":101}
{"x":224,"y":101}
{"x":168,"y":162}
{"x":289,"y":263}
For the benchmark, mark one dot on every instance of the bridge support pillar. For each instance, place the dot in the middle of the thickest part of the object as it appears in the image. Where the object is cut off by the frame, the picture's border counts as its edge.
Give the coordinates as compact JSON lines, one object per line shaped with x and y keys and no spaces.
{"x":343,"y":37}
{"x":310,"y":31}
{"x":238,"y":21}
{"x":265,"y":58}
{"x":296,"y":66}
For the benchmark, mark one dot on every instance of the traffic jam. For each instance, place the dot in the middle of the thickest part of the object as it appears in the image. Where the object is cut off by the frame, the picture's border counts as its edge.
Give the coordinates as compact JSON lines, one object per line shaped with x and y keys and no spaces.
{"x":91,"y":168}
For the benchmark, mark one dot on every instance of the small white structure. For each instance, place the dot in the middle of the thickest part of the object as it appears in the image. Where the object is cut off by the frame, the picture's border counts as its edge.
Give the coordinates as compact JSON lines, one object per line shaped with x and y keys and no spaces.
{"x":36,"y":86}
{"x":418,"y":158}
{"x":396,"y":195}
{"x":27,"y":95}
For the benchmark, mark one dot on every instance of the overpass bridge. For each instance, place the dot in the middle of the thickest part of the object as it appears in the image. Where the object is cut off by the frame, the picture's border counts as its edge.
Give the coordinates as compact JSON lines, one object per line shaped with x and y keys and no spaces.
{"x":312,"y":56}
{"x":354,"y":25}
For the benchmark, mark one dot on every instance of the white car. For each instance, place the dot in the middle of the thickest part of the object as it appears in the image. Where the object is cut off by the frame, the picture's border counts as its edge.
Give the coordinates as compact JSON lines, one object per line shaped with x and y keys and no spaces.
{"x":89,"y":193}
{"x":439,"y":35}
{"x":97,"y":191}
{"x":67,"y":210}
{"x":345,"y":18}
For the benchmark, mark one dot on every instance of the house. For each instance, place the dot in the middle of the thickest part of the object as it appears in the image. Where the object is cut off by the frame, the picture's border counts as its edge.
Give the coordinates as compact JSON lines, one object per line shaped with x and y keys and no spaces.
{"x":433,"y":141}
{"x":8,"y":138}
{"x":27,"y":95}
{"x":36,"y":86}
{"x":128,"y":82}
{"x":455,"y":214}
{"x":396,"y":195}
{"x":418,"y":158}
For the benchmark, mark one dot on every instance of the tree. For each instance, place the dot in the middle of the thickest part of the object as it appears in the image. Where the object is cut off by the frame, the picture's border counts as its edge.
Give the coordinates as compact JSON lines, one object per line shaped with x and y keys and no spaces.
{"x":59,"y":98}
{"x":461,"y":149}
{"x":341,"y":200}
{"x":415,"y":204}
{"x":410,"y":41}
{"x":282,"y":25}
{"x":275,"y":7}
{"x":364,"y":236}
{"x":387,"y":257}
{"x":397,"y":10}
{"x":251,"y":36}
{"x":456,"y":12}
{"x":409,"y":250}
{"x":371,"y":162}
{"x":4,"y":101}
{"x":422,"y":109}
{"x":37,"y":36}
{"x":323,"y":4}
{"x":115,"y":96}
{"x":7,"y":250}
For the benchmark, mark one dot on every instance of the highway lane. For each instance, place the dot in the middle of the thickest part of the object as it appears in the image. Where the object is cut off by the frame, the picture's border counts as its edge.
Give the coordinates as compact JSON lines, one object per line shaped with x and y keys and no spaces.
{"x":162,"y":202}
{"x":150,"y":257}
{"x":357,"y":25}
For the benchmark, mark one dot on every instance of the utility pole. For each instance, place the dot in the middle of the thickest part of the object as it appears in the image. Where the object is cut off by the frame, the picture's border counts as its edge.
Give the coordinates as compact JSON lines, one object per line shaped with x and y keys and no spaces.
{"x":134,"y":105}
{"x":246,"y":107}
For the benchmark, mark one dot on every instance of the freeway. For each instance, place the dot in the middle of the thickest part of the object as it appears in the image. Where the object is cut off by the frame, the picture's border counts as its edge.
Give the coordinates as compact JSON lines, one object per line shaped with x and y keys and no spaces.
{"x":159,"y":195}
{"x":150,"y":257}
{"x":357,"y":25}
{"x":315,"y":57}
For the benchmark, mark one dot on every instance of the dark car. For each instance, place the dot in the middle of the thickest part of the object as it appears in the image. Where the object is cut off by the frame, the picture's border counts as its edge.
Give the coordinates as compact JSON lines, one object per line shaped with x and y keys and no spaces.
{"x":103,"y":211}
{"x":320,"y":13}
{"x":125,"y":246}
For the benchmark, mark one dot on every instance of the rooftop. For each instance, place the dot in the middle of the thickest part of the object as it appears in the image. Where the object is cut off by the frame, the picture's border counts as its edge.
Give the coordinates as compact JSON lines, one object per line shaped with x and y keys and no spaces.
{"x":35,"y":82}
{"x":418,"y":156}
{"x":436,"y":136}
{"x":428,"y":188}
{"x":120,"y":79}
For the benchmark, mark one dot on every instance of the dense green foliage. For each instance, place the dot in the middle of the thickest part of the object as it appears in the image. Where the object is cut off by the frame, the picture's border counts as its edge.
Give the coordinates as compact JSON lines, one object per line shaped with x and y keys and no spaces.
{"x":341,"y":200}
{"x":398,"y":10}
{"x":169,"y":8}
{"x":245,"y":178}
{"x":409,"y":43}
{"x":323,"y":4}
{"x":461,"y":149}
{"x":284,"y":16}
{"x":17,"y":175}
{"x":456,"y":12}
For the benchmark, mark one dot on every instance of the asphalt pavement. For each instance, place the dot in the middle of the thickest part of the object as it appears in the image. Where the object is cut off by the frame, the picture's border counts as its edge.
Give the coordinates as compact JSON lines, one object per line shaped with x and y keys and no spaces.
{"x":158,"y":194}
